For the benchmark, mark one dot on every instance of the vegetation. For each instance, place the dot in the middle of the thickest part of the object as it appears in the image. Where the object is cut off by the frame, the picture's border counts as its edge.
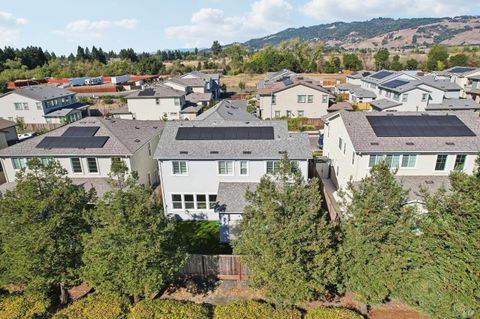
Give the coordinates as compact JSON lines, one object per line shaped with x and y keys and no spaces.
{"x":19,"y":306}
{"x":253,"y":310}
{"x":437,"y":58}
{"x":168,"y":309}
{"x":95,"y":306}
{"x":202,"y":237}
{"x":132,"y":249}
{"x":282,"y":212}
{"x":41,"y":227}
{"x":332,"y":313}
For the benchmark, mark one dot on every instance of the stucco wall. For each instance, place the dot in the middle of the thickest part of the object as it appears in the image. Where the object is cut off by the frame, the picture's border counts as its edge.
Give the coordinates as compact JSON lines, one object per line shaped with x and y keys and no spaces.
{"x":147,"y":109}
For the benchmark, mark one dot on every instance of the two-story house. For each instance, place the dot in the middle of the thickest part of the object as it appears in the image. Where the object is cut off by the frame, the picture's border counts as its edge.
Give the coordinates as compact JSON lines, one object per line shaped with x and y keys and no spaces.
{"x":356,"y":77}
{"x":195,"y":89}
{"x":293,"y":97}
{"x":161,"y":103}
{"x":207,"y":165}
{"x":424,"y":147}
{"x":473,"y":91}
{"x":374,"y":80}
{"x":212,"y":81}
{"x":459,"y":75}
{"x":41,"y":105}
{"x":401,"y":95}
{"x":86,"y":149}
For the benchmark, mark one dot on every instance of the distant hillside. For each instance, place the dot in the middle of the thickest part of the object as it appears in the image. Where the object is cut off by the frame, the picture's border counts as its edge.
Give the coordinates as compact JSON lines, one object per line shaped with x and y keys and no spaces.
{"x":383,"y":33}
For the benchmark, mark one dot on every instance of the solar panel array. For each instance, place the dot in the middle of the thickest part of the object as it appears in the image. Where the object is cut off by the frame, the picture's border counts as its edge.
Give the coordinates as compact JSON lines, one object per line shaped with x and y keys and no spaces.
{"x":72,"y":142}
{"x":225,"y":133}
{"x":419,"y":126}
{"x":394,"y":84}
{"x":75,"y":137}
{"x":81,"y":131}
{"x":287,"y":82}
{"x":461,"y":70}
{"x":147,"y":92}
{"x":381,"y":75}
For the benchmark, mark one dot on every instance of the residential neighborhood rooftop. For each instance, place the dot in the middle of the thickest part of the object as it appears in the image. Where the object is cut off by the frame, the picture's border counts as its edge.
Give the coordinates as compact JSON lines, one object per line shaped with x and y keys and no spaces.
{"x":291,"y":82}
{"x":159,"y":91}
{"x":228,"y":197}
{"x":384,"y":104}
{"x":412,"y":132}
{"x":454,"y":104}
{"x":226,"y":111}
{"x":444,"y":85}
{"x":42,"y":93}
{"x":193,"y":82}
{"x":119,"y":137}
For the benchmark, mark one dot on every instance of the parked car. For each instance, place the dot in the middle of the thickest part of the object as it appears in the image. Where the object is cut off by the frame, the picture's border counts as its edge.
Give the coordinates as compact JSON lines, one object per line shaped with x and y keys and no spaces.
{"x":26,"y":135}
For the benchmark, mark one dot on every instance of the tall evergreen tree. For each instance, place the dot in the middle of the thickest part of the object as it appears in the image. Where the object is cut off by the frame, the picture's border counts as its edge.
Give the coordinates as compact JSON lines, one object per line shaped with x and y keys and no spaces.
{"x":381,"y":59}
{"x":285,"y":238}
{"x":133,"y":249}
{"x":41,"y":226}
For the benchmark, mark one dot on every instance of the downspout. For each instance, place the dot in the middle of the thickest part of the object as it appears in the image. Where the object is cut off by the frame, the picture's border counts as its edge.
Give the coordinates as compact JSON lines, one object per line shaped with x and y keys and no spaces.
{"x":160,"y":173}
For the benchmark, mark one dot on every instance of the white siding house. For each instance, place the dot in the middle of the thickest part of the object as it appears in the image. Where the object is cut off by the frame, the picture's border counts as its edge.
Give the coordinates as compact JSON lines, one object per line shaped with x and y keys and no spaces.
{"x":40,"y":105}
{"x":206,"y":178}
{"x":415,"y":144}
{"x":89,"y":164}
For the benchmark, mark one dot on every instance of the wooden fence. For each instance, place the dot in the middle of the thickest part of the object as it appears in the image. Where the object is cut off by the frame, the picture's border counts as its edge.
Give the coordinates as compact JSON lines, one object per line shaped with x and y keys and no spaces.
{"x":225,"y":267}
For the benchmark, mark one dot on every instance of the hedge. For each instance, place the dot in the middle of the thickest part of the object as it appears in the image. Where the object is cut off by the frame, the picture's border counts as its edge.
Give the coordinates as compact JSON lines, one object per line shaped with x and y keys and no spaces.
{"x":168,"y":309}
{"x":332,"y":313}
{"x":253,"y":310}
{"x":28,"y":306}
{"x":94,"y":306}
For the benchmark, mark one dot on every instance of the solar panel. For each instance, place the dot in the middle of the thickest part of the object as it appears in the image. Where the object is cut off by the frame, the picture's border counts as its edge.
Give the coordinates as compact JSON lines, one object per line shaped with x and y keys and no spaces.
{"x":381,"y":75}
{"x":461,"y":70}
{"x":418,"y":126}
{"x":79,"y":131}
{"x":72,"y":142}
{"x":225,"y":133}
{"x":147,"y":92}
{"x":394,"y":84}
{"x":287,"y":82}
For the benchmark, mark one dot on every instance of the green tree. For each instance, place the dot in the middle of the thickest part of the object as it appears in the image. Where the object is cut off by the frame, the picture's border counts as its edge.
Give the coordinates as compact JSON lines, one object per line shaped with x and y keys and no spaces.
{"x":241,"y":85}
{"x":396,"y":65}
{"x":381,"y":59}
{"x":351,"y":62}
{"x":437,"y":54}
{"x":216,"y":48}
{"x":411,"y":64}
{"x":285,"y":238}
{"x":333,"y":65}
{"x":442,"y":281}
{"x":41,"y":226}
{"x":133,"y":249}
{"x":460,"y":59}
{"x":376,"y":236}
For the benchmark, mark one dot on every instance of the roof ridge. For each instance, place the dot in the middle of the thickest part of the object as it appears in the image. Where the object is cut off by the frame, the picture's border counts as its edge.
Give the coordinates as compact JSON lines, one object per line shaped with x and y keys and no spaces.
{"x":103,"y":121}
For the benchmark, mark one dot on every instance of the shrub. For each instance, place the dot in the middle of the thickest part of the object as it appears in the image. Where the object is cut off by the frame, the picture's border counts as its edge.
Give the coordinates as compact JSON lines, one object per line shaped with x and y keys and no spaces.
{"x":253,"y":310}
{"x":168,"y":309}
{"x":28,"y":306}
{"x":332,"y":313}
{"x":94,"y":306}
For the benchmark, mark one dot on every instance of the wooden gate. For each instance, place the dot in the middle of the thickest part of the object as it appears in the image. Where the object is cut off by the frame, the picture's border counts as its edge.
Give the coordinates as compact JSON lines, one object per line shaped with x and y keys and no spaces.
{"x":225,"y":267}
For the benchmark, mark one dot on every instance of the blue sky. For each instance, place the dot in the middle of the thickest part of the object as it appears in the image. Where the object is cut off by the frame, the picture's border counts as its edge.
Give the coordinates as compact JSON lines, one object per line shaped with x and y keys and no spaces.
{"x":148,"y":25}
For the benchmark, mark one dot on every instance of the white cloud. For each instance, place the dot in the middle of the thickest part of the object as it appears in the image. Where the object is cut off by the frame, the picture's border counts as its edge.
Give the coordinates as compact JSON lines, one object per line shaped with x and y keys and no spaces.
{"x":95,"y":29}
{"x":208,"y":24}
{"x":348,"y":10}
{"x":9,"y":36}
{"x":10,"y":18}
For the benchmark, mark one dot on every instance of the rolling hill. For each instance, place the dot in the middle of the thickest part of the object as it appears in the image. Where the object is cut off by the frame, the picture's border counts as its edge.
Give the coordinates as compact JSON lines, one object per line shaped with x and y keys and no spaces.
{"x":383,"y":33}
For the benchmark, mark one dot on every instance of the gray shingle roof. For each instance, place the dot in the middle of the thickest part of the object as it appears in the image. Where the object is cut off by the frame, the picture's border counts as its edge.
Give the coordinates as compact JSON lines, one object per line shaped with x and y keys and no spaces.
{"x":363,"y":93}
{"x":365,"y":140}
{"x":196,"y":97}
{"x":204,"y":76}
{"x":125,"y":138}
{"x":384,"y":104}
{"x":43,"y":93}
{"x":296,"y":145}
{"x":415,"y":183}
{"x":454,"y":104}
{"x":231,"y":196}
{"x":226,"y":110}
{"x":160,"y":91}
{"x":195,"y":82}
{"x":6,"y":124}
{"x":444,"y":85}
{"x":359,"y":74}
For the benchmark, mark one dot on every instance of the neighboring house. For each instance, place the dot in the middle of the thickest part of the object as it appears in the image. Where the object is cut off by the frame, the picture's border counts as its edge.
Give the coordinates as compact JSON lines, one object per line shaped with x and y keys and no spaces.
{"x":460,"y":75}
{"x":273,"y":77}
{"x":8,"y":133}
{"x":409,"y":95}
{"x":473,"y":91}
{"x":423,"y":147}
{"x":207,"y":165}
{"x":227,"y":111}
{"x":200,"y":99}
{"x":86,"y":149}
{"x":356,"y":77}
{"x":212,"y":81}
{"x":41,"y":105}
{"x":293,"y":97}
{"x":160,"y":103}
{"x":188,"y":85}
{"x":374,"y":80}
{"x":355,"y":93}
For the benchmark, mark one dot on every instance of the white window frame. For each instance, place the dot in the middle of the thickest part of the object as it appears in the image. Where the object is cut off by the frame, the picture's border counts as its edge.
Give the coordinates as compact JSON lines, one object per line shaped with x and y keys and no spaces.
{"x":22,"y":163}
{"x":301,"y":98}
{"x":181,"y":201}
{"x":275,"y":167}
{"x":96,"y":164}
{"x":405,"y":97}
{"x":277,"y":114}
{"x":409,"y":156}
{"x":232,"y":172}
{"x":301,"y":113}
{"x":309,"y":98}
{"x":185,"y":202}
{"x":424,"y":97}
{"x":324,"y":98}
{"x":196,"y":202}
{"x":81,"y":166}
{"x":247,"y":164}
{"x":444,"y":166}
{"x":18,"y":106}
{"x":180,"y":173}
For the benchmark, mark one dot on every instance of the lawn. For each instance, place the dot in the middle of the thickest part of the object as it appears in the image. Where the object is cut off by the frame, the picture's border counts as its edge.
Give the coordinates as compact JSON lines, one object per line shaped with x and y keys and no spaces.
{"x":203,"y":237}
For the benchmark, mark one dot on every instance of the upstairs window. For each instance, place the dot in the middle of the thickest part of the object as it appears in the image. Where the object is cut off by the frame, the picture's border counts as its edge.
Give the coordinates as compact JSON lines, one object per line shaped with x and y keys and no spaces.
{"x":25,"y":106}
{"x":179,"y":168}
{"x":424,"y":97}
{"x":324,"y":98}
{"x":274,"y":99}
{"x":177,"y":101}
{"x":409,"y":160}
{"x":243,"y":168}
{"x":405,"y":97}
{"x":92,"y":165}
{"x":301,"y":98}
{"x":39,"y":105}
{"x":340,"y":143}
{"x":18,"y":106}
{"x":310,"y":99}
{"x":76,"y":165}
{"x":460,"y":162}
{"x":225,"y":167}
{"x":273,"y":167}
{"x":375,"y":159}
{"x":441,"y":162}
